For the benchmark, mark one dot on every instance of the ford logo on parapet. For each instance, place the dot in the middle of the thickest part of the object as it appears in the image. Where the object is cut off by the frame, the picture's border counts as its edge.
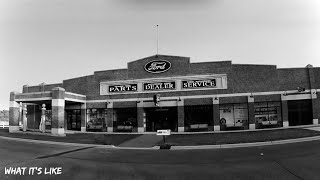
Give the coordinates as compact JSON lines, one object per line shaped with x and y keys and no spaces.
{"x":157,"y":66}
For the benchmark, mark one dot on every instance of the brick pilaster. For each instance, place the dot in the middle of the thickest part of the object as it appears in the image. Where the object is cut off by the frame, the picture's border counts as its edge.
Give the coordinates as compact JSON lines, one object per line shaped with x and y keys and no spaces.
{"x":84,"y":117}
{"x":180,"y":109}
{"x":14,"y":108}
{"x":110,"y":117}
{"x":251,"y":118}
{"x":58,"y":111}
{"x":141,"y":117}
{"x":216,"y":114}
{"x":285,"y":114}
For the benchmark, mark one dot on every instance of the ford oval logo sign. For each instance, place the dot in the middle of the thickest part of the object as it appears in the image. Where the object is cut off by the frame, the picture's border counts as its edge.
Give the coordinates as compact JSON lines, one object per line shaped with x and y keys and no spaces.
{"x":157,"y":66}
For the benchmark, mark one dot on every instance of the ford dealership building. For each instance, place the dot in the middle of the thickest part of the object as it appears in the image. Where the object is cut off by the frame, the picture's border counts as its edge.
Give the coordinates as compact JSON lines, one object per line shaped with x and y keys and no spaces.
{"x":170,"y":92}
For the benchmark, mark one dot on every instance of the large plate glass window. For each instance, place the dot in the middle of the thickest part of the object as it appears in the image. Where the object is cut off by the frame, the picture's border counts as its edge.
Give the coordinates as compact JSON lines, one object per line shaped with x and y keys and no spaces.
{"x":125,"y":120}
{"x":233,"y":116}
{"x":198,"y":117}
{"x":267,"y":114}
{"x":96,"y":119}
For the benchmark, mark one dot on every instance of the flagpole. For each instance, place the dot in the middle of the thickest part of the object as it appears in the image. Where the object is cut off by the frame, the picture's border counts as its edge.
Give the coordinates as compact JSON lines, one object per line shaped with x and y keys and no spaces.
{"x":157,"y":39}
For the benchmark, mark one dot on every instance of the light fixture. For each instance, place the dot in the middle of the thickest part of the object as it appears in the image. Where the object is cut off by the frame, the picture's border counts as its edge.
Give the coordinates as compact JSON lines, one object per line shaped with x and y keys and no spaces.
{"x":301,"y":89}
{"x":107,"y":103}
{"x":179,"y":99}
{"x":314,"y":92}
{"x":285,"y":93}
{"x":251,"y":95}
{"x":216,"y":98}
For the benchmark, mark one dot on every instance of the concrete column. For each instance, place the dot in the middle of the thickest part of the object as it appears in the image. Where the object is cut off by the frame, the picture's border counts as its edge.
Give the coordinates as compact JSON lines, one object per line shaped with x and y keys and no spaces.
{"x":14,"y":108}
{"x":84,"y":117}
{"x":110,"y":117}
{"x":141,"y":117}
{"x":216,"y":114}
{"x":252,"y":121}
{"x":285,"y":114}
{"x":58,"y":112}
{"x":315,"y":106}
{"x":24,"y":117}
{"x":180,"y":109}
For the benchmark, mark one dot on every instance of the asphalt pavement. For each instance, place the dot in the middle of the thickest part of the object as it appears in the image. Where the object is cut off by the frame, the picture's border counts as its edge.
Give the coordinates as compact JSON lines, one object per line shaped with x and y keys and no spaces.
{"x":285,"y":161}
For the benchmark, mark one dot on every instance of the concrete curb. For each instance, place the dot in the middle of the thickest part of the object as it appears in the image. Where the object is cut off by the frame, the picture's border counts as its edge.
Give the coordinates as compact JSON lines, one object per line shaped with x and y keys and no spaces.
{"x":224,"y":146}
{"x":202,"y":132}
{"x":138,"y":148}
{"x":56,"y":143}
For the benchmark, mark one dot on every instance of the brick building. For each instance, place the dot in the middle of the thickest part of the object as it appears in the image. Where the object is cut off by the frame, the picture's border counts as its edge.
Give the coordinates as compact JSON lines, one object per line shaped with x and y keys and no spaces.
{"x":207,"y":96}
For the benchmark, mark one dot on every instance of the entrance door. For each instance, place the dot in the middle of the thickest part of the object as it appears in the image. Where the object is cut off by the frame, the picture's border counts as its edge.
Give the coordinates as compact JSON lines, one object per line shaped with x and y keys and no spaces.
{"x":74,"y":120}
{"x":300,"y":112}
{"x":161,"y":118}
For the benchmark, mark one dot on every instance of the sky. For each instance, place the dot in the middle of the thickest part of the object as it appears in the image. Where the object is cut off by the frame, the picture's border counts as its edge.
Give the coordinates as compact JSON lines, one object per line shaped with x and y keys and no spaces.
{"x":53,"y":40}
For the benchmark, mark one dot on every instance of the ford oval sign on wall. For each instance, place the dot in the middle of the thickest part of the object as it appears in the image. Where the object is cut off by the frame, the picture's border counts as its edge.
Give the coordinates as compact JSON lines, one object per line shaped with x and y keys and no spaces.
{"x":157,"y":66}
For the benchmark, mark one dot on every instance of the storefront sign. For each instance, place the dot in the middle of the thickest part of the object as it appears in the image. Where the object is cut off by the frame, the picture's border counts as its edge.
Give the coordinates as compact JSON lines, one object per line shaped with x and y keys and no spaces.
{"x":159,"y":86}
{"x":164,"y":132}
{"x":157,"y":66}
{"x":123,"y":88}
{"x":199,"y":83}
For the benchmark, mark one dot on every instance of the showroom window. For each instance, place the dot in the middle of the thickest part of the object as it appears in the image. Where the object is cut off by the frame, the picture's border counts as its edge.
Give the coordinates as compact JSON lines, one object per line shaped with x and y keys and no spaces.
{"x":267,"y":114}
{"x":199,"y":117}
{"x":125,"y":119}
{"x":234,"y":116}
{"x":96,"y":119}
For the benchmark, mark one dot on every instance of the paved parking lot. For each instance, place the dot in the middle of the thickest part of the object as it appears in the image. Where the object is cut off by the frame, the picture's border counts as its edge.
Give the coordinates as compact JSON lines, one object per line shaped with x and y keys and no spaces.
{"x":287,"y":161}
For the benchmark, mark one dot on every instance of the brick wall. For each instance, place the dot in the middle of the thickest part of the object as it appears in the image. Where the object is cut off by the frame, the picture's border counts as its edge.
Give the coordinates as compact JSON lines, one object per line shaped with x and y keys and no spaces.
{"x":111,"y":75}
{"x":290,"y":79}
{"x":254,"y":78}
{"x":316,"y":74}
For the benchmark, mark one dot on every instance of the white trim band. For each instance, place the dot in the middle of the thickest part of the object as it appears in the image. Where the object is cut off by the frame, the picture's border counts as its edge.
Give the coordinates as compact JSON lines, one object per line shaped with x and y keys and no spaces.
{"x":110,"y":129}
{"x":74,"y":94}
{"x":315,"y":121}
{"x":75,"y":100}
{"x":14,"y":104}
{"x":57,"y":131}
{"x":216,"y":128}
{"x":14,"y":128}
{"x":140,"y":129}
{"x":35,"y":99}
{"x":58,"y":102}
{"x":203,"y":96}
{"x":252,"y":126}
{"x":296,"y":97}
{"x":180,"y":129}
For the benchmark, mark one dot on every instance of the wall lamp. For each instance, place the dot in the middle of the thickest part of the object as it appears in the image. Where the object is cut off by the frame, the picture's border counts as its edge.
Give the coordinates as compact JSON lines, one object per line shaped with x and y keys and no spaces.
{"x":285,"y":93}
{"x":301,"y":89}
{"x":216,"y":98}
{"x":179,"y":99}
{"x":107,"y":103}
{"x":314,"y":92}
{"x":251,"y":95}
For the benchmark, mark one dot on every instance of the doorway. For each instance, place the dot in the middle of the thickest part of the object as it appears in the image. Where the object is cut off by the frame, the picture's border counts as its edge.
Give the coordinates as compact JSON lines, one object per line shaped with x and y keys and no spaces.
{"x":161,"y":118}
{"x":74,"y":119}
{"x":300,"y":112}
